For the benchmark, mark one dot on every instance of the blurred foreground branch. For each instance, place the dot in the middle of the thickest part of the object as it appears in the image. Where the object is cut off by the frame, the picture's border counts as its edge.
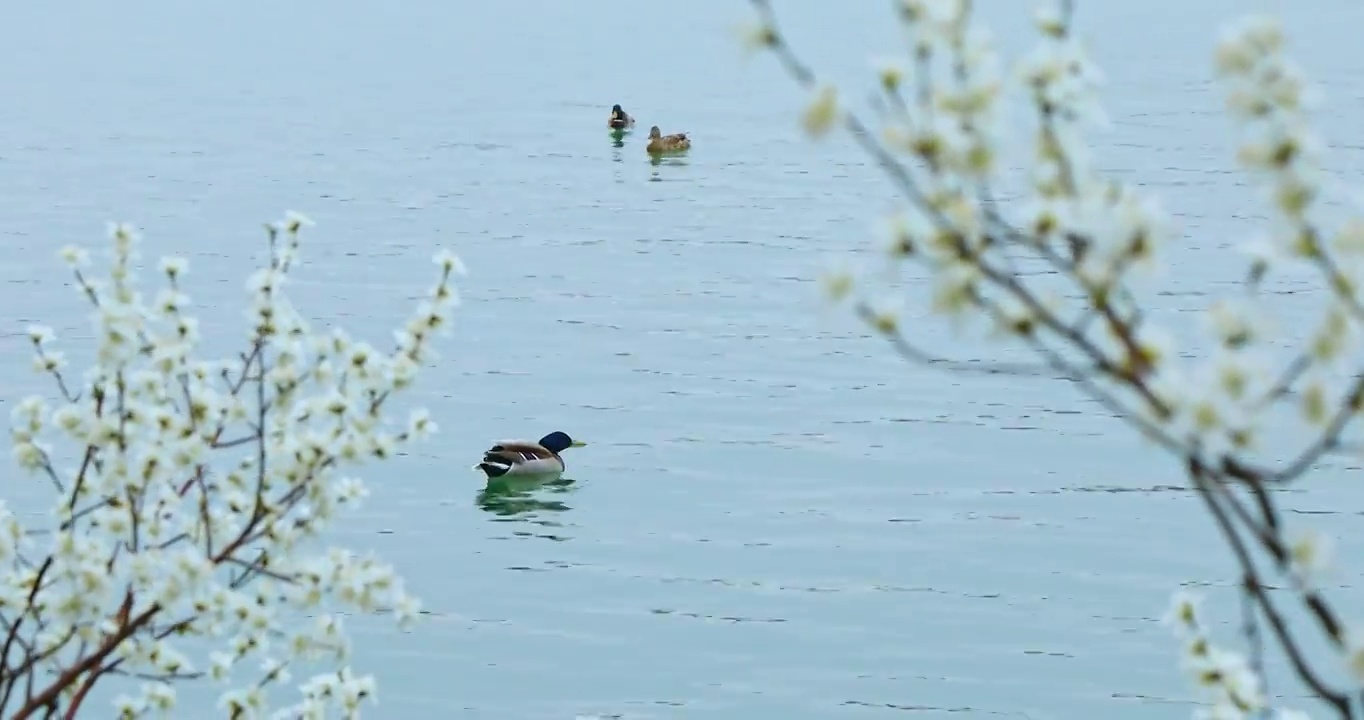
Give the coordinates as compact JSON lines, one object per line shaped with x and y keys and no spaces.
{"x":942,"y":143}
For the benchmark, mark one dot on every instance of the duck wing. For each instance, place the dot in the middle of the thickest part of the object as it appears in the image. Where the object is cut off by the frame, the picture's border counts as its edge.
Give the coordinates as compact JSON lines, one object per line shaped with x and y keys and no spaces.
{"x":514,"y":452}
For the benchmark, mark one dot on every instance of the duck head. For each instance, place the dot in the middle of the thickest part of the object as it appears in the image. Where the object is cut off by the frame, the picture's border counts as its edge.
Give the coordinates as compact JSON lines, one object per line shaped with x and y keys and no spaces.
{"x":558,"y":441}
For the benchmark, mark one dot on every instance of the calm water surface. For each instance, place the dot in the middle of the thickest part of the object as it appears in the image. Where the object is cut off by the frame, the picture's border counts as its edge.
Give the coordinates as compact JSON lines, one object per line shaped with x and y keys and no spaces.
{"x":774,"y":518}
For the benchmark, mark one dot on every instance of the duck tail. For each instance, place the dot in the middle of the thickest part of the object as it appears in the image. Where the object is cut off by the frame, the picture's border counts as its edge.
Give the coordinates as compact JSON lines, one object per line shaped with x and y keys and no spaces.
{"x":494,"y":469}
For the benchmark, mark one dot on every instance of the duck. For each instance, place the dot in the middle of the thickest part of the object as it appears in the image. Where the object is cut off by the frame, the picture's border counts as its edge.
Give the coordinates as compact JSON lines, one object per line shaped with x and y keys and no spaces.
{"x":525,"y":457}
{"x":658,"y":142}
{"x":619,"y":119}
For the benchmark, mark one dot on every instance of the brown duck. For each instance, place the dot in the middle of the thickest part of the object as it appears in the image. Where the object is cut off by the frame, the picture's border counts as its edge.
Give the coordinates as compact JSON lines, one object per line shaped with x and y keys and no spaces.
{"x":660,"y":143}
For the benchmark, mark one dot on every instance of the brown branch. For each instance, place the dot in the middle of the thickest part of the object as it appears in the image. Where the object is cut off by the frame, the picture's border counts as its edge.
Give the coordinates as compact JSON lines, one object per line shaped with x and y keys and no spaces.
{"x":1273,"y":544}
{"x":253,"y":568}
{"x":13,"y":634}
{"x":913,"y":353}
{"x":78,"y":698}
{"x":89,"y":457}
{"x":33,"y":659}
{"x":1254,"y":479}
{"x":1088,"y":383}
{"x":50,"y":694}
{"x":1211,"y":491}
{"x":1287,"y":377}
{"x":1330,"y":436}
{"x":243,"y":440}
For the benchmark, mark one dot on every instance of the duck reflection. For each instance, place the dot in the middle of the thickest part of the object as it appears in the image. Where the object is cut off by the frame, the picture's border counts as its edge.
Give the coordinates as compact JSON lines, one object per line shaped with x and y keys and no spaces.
{"x":528,"y":500}
{"x":657,"y":160}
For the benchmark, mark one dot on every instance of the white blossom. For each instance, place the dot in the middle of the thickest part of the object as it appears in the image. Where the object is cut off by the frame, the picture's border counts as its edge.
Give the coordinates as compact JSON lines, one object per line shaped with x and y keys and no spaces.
{"x":173,"y":531}
{"x":822,"y":112}
{"x":1354,"y":655}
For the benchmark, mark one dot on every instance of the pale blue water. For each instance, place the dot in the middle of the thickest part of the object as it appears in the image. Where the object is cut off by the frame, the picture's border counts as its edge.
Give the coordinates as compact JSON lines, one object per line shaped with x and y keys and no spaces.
{"x":774,"y":517}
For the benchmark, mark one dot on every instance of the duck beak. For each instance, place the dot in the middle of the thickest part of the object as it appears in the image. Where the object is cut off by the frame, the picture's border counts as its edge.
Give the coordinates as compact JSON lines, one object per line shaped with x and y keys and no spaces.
{"x":578,"y":443}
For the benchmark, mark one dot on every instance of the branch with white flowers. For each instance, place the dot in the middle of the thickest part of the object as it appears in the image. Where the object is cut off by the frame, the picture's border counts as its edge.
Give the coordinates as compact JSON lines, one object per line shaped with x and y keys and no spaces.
{"x":1057,"y":272}
{"x":190,"y":496}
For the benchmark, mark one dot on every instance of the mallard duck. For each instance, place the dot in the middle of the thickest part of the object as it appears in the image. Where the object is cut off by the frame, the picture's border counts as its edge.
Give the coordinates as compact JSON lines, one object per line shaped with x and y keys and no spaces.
{"x":525,"y":457}
{"x":658,"y":142}
{"x":619,"y":119}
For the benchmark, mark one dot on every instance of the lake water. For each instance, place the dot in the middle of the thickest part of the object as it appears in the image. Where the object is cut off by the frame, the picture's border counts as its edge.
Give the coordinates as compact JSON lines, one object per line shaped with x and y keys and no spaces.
{"x":774,"y":518}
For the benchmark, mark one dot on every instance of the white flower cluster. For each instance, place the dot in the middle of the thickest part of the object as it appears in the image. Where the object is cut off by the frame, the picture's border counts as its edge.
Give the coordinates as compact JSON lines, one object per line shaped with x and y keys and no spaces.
{"x":1235,"y":689}
{"x":1056,"y":271}
{"x":190,"y":512}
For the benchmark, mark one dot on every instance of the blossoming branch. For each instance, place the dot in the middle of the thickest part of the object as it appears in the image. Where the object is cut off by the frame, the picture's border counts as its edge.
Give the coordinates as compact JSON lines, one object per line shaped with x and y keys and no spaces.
{"x":1056,"y":273}
{"x":197,"y":490}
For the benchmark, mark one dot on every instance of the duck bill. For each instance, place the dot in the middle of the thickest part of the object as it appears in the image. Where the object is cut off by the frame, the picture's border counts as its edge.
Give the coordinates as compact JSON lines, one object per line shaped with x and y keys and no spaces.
{"x":578,"y":443}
